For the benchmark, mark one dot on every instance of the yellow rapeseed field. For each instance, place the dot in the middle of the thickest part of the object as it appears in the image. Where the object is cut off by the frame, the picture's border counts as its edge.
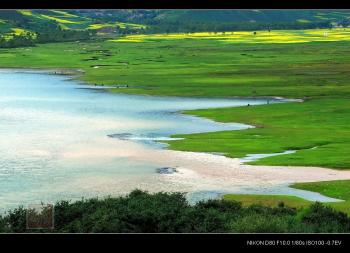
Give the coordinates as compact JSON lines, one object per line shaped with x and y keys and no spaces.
{"x":278,"y":36}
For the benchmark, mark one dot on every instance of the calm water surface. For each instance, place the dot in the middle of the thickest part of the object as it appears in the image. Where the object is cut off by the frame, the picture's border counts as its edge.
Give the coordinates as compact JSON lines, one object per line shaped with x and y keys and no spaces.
{"x":54,"y":136}
{"x":55,"y":140}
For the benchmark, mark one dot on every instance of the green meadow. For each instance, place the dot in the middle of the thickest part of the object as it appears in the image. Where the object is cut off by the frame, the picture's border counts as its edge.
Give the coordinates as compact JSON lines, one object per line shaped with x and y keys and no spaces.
{"x":268,"y":200}
{"x":205,"y":65}
{"x":305,"y":66}
{"x":339,"y":189}
{"x":317,"y":129}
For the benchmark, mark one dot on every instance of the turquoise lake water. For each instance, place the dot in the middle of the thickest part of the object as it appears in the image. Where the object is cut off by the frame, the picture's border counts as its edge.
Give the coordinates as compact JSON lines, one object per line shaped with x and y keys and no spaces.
{"x":61,"y":139}
{"x":54,"y":134}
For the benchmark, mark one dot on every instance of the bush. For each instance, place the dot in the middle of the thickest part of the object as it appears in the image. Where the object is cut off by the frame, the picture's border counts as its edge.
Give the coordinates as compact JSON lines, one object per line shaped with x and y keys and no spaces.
{"x":325,"y":219}
{"x":256,"y":223}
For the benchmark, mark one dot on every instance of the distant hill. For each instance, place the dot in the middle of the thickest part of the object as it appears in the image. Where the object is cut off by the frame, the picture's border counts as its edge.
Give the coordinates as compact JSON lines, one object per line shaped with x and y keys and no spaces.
{"x":220,"y":20}
{"x":220,"y":16}
{"x":26,"y":26}
{"x":39,"y":21}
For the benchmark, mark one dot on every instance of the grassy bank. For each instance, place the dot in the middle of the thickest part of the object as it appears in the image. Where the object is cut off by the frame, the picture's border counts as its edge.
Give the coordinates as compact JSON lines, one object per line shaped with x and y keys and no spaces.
{"x":170,"y":213}
{"x":318,"y":129}
{"x":339,"y":189}
{"x":299,"y":64}
{"x":268,"y":200}
{"x":336,"y":189}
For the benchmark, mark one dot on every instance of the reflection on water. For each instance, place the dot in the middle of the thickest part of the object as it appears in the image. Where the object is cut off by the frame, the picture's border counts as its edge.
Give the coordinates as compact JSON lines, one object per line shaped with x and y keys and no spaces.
{"x":54,"y":137}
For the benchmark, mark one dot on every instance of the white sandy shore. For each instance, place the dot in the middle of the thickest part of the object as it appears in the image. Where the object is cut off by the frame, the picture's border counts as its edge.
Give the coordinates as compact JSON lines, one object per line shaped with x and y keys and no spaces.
{"x":220,"y":172}
{"x":204,"y":172}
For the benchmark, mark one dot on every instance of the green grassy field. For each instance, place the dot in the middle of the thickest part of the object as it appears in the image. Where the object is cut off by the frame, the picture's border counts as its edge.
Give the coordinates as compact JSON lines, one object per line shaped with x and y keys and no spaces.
{"x":200,"y":67}
{"x":207,"y":66}
{"x":339,"y":189}
{"x":318,"y":129}
{"x":268,"y":200}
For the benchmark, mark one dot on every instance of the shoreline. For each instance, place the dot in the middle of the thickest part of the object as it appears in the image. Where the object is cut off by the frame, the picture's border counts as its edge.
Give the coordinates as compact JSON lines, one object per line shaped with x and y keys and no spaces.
{"x":55,"y":71}
{"x":215,"y":172}
{"x":71,"y":73}
{"x":79,"y":72}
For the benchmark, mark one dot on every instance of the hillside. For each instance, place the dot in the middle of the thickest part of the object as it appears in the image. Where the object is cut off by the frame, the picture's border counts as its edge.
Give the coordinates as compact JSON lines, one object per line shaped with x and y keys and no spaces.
{"x":27,"y":27}
{"x":220,"y":16}
{"x":41,"y":20}
{"x":98,"y":19}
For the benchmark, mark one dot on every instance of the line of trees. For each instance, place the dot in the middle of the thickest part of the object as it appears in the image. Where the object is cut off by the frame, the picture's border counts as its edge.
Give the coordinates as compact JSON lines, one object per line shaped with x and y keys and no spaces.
{"x":179,"y":26}
{"x":63,"y":35}
{"x":25,"y":39}
{"x":52,"y":35}
{"x":141,"y":212}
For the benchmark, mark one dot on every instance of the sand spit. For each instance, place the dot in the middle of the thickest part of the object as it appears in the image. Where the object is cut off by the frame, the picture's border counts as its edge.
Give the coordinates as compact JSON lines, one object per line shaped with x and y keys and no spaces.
{"x":199,"y":171}
{"x":202,"y":171}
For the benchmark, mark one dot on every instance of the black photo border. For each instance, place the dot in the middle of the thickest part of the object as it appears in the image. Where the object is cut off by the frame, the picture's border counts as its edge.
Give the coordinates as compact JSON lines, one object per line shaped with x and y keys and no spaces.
{"x":166,"y":242}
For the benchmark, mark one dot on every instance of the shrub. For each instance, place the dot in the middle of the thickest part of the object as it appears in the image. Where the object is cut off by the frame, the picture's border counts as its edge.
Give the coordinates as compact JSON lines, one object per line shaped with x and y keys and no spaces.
{"x":325,"y":219}
{"x":256,"y":223}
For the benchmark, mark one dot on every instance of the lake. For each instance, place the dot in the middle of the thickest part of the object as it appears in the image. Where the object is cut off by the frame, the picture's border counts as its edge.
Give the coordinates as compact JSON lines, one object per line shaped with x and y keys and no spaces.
{"x":60,"y":139}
